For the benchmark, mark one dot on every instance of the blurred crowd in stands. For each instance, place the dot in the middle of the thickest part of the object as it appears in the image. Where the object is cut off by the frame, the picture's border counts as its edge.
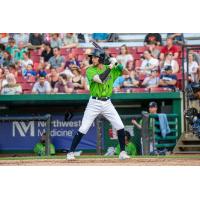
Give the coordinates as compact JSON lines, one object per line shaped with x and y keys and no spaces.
{"x":53,"y":63}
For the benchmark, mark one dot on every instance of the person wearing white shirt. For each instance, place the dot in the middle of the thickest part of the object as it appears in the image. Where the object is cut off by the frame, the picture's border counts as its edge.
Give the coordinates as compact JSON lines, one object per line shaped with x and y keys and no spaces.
{"x":42,"y":86}
{"x":170,"y":61}
{"x":149,"y":63}
{"x":124,"y":56}
{"x":193,"y":69}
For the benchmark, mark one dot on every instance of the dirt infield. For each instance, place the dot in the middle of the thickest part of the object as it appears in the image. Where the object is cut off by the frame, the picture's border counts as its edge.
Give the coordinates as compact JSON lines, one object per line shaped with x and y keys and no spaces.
{"x":105,"y":162}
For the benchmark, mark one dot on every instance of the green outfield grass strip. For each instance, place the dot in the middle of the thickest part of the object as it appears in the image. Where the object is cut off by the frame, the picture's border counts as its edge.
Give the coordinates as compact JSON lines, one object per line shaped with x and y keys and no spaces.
{"x":96,"y":157}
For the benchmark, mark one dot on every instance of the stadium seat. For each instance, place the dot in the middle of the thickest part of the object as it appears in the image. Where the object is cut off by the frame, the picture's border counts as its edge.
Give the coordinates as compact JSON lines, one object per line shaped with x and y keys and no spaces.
{"x":31,"y":79}
{"x":132,"y":50}
{"x":20,"y":79}
{"x":35,"y":53}
{"x":141,"y":49}
{"x":114,"y":50}
{"x":35,"y":58}
{"x":77,"y":51}
{"x":139,"y":90}
{"x":35,"y":66}
{"x":26,"y":86}
{"x":81,"y":91}
{"x":64,"y":51}
{"x":80,"y":57}
{"x":136,"y":56}
{"x":159,"y":89}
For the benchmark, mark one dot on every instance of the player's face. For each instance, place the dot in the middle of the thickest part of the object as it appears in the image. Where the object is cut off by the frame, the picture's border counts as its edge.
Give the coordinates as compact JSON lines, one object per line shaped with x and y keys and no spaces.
{"x":153,"y":110}
{"x":42,"y":80}
{"x":169,"y":41}
{"x":95,"y":60}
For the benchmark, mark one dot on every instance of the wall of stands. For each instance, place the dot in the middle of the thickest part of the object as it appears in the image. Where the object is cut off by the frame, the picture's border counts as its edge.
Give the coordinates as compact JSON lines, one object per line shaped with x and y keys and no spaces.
{"x":137,"y":52}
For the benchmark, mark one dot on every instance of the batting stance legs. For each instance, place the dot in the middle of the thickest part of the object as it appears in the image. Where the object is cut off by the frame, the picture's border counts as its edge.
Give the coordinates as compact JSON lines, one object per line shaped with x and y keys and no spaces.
{"x":93,"y":109}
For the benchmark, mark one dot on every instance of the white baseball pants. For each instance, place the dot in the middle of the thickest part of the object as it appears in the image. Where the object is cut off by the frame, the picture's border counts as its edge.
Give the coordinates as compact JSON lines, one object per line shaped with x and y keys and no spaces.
{"x":96,"y":107}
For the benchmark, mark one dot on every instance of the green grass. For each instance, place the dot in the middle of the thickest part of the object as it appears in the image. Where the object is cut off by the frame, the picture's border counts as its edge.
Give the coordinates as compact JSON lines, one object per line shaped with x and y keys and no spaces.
{"x":97,"y":156}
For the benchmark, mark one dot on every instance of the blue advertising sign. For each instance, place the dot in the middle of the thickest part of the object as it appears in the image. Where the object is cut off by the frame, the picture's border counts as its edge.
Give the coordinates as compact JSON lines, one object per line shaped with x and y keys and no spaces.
{"x":20,"y":135}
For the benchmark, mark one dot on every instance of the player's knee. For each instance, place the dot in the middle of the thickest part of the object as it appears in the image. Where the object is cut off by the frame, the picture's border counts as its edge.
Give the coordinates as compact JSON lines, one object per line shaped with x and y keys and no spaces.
{"x":83,"y":130}
{"x":119,"y":126}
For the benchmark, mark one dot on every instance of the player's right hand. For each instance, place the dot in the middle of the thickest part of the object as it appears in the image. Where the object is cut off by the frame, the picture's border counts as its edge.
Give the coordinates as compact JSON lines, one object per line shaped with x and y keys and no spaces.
{"x":113,"y":61}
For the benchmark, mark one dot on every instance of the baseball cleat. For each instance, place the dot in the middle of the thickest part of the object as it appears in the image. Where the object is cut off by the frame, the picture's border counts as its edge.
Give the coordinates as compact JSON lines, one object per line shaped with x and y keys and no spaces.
{"x":123,"y":155}
{"x":70,"y":156}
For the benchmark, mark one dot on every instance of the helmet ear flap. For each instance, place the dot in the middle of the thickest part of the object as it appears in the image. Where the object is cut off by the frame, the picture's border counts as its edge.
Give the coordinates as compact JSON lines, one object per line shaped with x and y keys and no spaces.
{"x":90,"y":60}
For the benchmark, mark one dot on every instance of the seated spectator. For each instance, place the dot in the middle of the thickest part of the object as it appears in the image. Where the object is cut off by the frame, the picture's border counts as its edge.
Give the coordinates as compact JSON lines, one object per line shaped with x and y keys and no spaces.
{"x":5,"y":73}
{"x":170,"y":61}
{"x":47,"y":52}
{"x":196,"y":56}
{"x":41,"y":70}
{"x":2,"y":49}
{"x":78,"y":81}
{"x":118,"y":84}
{"x":55,"y":40}
{"x":42,"y":86}
{"x":4,"y":38}
{"x":35,"y":40}
{"x":57,"y":61}
{"x":85,"y":63}
{"x":63,"y":85}
{"x":130,"y":82}
{"x":149,"y":63}
{"x":70,"y":40}
{"x":177,"y":37}
{"x":11,"y":87}
{"x":170,"y":47}
{"x":100,"y":37}
{"x":130,"y":148}
{"x":21,"y":37}
{"x":152,"y":46}
{"x":39,"y":148}
{"x":7,"y":59}
{"x":131,"y":70}
{"x":167,"y":79}
{"x":2,"y":76}
{"x":193,"y":69}
{"x":68,"y":72}
{"x":11,"y":48}
{"x":29,"y":71}
{"x":13,"y":70}
{"x":53,"y":77}
{"x":153,"y":37}
{"x":152,"y":80}
{"x":71,"y":61}
{"x":124,"y":56}
{"x":19,"y":51}
{"x":26,"y":61}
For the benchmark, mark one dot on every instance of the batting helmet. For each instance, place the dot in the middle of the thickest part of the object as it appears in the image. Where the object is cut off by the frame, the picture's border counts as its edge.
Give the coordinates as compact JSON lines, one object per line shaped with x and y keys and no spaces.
{"x":99,"y":54}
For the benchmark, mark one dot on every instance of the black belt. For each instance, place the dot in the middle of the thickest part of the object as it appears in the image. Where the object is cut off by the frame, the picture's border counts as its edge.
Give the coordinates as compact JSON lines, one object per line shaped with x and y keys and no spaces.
{"x":101,"y":98}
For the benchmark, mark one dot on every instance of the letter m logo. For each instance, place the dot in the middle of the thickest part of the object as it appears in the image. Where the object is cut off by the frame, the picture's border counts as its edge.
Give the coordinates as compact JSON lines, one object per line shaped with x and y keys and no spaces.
{"x":23,"y":128}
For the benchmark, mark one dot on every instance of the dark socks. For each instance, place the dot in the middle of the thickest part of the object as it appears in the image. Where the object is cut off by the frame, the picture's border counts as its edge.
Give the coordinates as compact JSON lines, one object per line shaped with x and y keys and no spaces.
{"x":76,"y":141}
{"x":121,"y":138}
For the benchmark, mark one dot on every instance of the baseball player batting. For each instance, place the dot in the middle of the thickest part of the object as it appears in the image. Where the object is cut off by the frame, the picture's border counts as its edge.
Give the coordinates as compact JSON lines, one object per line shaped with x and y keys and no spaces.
{"x":101,"y":78}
